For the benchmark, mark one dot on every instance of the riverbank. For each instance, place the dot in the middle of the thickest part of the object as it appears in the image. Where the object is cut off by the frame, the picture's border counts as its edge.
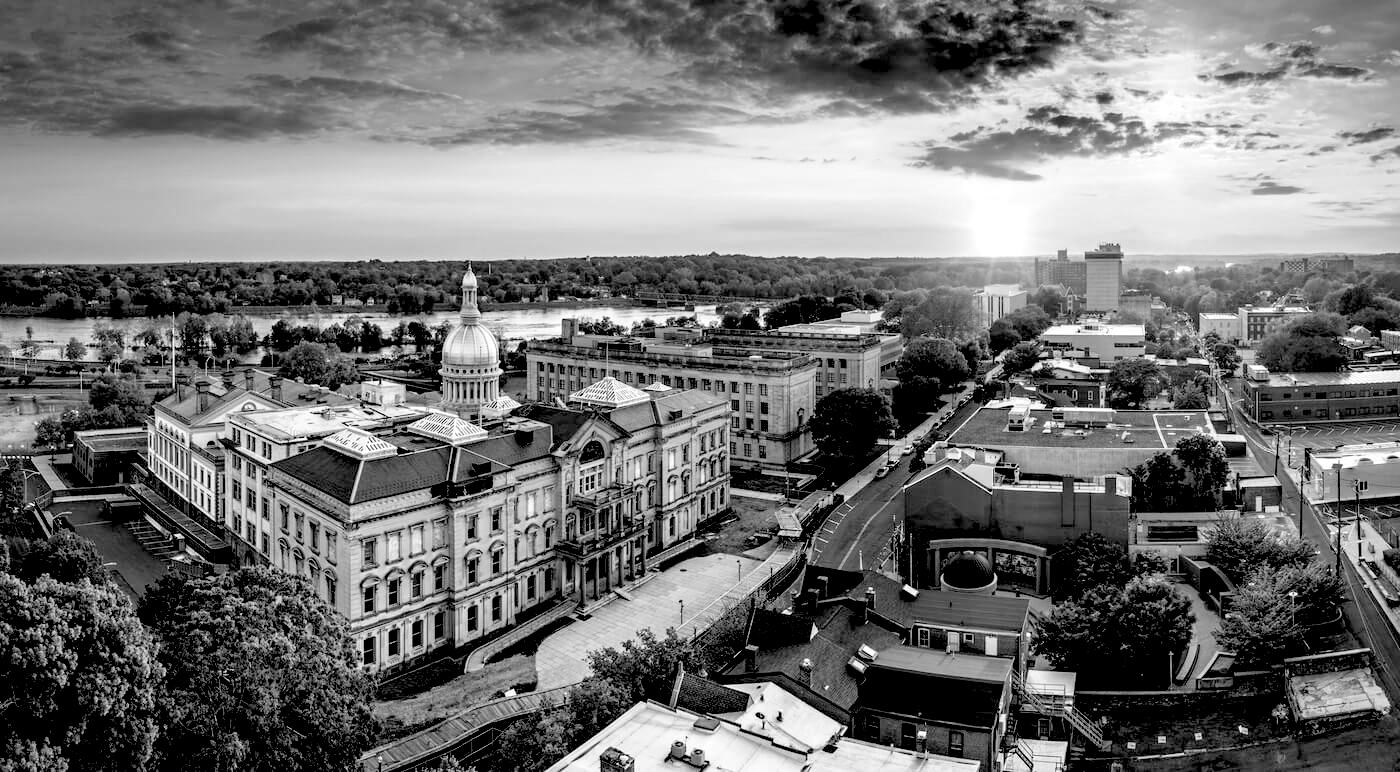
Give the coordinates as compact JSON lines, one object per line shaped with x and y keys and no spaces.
{"x":311,"y":310}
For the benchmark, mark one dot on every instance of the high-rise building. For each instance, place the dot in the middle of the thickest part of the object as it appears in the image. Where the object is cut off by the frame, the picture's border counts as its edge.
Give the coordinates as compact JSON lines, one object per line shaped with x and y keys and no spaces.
{"x":471,"y":359}
{"x":1103,"y":278}
{"x":1061,"y":271}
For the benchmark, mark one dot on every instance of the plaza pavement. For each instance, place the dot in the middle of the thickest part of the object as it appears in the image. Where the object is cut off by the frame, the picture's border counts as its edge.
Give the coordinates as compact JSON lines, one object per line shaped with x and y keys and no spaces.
{"x":707,"y":585}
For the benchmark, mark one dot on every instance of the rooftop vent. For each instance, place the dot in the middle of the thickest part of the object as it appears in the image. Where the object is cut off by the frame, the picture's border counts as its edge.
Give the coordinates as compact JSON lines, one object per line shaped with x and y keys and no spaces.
{"x":866,"y":653}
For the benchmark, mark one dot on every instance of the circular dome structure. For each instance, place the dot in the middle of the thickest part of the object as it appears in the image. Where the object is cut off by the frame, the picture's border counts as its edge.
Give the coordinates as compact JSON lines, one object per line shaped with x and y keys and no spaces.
{"x":471,"y":364}
{"x":969,"y":572}
{"x":470,"y":345}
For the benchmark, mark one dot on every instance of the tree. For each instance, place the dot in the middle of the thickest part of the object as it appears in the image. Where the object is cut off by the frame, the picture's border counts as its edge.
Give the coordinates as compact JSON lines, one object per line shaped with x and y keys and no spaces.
{"x":261,"y":675}
{"x":1306,"y":344}
{"x":932,"y":358}
{"x":846,"y":423}
{"x":1002,"y":336}
{"x":75,"y":350}
{"x":1029,"y":321}
{"x":1189,"y":397}
{"x":319,"y":363}
{"x":65,"y":556}
{"x":1225,"y":357}
{"x":1021,"y":358}
{"x":1240,"y":545}
{"x":1263,"y":623}
{"x":1090,"y":561}
{"x":122,"y":395}
{"x":78,"y":676}
{"x":645,"y":666}
{"x":1051,"y":299}
{"x":1202,"y":458}
{"x":1159,"y":484}
{"x":1118,"y":636}
{"x":801,"y":310}
{"x":1131,"y":382}
{"x":604,"y":326}
{"x":944,"y":313}
{"x":535,"y":742}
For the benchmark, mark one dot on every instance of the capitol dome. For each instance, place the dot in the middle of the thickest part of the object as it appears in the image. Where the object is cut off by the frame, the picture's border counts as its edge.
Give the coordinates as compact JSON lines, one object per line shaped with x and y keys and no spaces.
{"x":470,"y":344}
{"x":968,"y":572}
{"x":471,"y":359}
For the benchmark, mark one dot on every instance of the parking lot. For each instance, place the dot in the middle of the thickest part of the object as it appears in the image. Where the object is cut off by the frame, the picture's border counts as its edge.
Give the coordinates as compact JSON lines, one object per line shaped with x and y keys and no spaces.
{"x":1332,"y":435}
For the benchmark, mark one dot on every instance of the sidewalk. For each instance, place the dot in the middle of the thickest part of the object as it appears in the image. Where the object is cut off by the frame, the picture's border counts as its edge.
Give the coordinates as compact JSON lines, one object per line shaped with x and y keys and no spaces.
{"x":689,"y":596}
{"x":862,"y":478}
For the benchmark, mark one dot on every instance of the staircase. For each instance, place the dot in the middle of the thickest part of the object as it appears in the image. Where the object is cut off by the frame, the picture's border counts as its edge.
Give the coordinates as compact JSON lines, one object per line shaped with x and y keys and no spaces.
{"x":151,"y":540}
{"x":1011,"y":743}
{"x":1081,"y":723}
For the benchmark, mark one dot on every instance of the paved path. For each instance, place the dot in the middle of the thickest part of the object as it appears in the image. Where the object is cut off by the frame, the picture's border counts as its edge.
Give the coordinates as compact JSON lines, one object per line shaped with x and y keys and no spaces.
{"x":136,"y":567}
{"x":748,"y":494}
{"x":702,"y":584}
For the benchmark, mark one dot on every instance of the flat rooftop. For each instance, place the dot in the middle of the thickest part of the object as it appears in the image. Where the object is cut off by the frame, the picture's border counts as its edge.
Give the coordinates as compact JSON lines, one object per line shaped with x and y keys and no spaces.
{"x":1136,"y":330}
{"x":648,"y":729}
{"x":107,"y":441}
{"x":1142,"y":429}
{"x":298,"y":422}
{"x":1337,"y":694}
{"x":1302,"y":380}
{"x":935,"y":662}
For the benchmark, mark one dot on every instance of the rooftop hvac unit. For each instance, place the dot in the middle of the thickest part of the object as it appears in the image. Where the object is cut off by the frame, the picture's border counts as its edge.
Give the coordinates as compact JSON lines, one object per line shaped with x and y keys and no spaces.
{"x":866,"y":653}
{"x":856,"y":666}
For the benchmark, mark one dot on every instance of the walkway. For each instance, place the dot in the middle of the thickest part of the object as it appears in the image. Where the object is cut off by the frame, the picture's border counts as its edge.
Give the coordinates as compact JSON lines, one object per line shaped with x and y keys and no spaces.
{"x":690,"y":596}
{"x":1202,"y":634}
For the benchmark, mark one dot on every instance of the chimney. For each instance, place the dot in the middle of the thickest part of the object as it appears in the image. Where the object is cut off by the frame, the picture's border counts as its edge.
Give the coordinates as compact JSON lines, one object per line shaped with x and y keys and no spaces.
{"x":823,"y":587}
{"x":870,"y":598}
{"x":804,"y":673}
{"x":248,"y":379}
{"x":751,"y":659}
{"x":274,"y":383}
{"x":227,"y":378}
{"x":201,"y":388}
{"x":181,"y":382}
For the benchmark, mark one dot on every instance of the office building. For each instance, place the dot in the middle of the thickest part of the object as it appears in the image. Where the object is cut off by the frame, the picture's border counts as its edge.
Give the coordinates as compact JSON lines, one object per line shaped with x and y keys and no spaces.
{"x":1318,"y":397}
{"x":1103,"y":278}
{"x":1071,"y":274}
{"x":441,"y":532}
{"x":1249,"y":324}
{"x":847,"y":356}
{"x":108,"y":456}
{"x":1328,"y":263}
{"x":996,"y":301}
{"x":1095,"y":343}
{"x":771,"y":392}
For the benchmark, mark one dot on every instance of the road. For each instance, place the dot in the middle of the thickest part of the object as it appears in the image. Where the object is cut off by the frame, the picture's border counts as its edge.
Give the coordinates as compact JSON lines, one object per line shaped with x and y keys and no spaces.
{"x":1363,"y":616}
{"x":859,"y":534}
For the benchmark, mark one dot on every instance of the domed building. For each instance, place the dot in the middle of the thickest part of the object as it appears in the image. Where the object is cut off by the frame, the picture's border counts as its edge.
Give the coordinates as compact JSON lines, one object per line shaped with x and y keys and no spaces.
{"x":471,"y":360}
{"x":968,"y":572}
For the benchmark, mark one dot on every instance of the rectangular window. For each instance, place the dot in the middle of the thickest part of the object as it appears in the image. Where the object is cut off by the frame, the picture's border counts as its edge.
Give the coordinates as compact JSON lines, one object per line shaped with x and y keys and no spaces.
{"x":471,"y":527}
{"x":496,"y":515}
{"x":955,"y":744}
{"x":393,"y":547}
{"x":301,"y":521}
{"x":330,"y":546}
{"x":415,"y":540}
{"x":748,"y":388}
{"x":762,"y":389}
{"x":734,"y":405}
{"x":748,"y":449}
{"x":530,"y":587}
{"x":265,"y":545}
{"x":439,"y":576}
{"x":392,"y":596}
{"x":415,"y":585}
{"x":368,"y":550}
{"x":473,"y":567}
{"x":367,"y":651}
{"x":439,"y":625}
{"x":252,"y":501}
{"x":472,"y":621}
{"x":315,"y":529}
{"x":237,"y":491}
{"x":748,"y":406}
{"x":330,"y":589}
{"x":367,"y":598}
{"x":394,"y":641}
{"x":763,"y":425}
{"x":439,"y":534}
{"x":416,"y":636}
{"x":496,"y":608}
{"x":762,"y":451}
{"x":763,"y":408}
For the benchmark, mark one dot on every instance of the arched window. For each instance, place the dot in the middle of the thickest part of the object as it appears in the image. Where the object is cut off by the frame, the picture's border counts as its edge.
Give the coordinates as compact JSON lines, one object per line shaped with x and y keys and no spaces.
{"x":591,"y":452}
{"x":548,"y":535}
{"x":685,"y":484}
{"x":498,"y":559}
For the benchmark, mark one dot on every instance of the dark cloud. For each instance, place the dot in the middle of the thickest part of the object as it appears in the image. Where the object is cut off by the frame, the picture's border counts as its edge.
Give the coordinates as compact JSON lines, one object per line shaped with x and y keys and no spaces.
{"x":1271,"y":188}
{"x":888,"y":55}
{"x":318,"y":88}
{"x":1370,"y":135}
{"x":1049,"y":134}
{"x":641,"y":117}
{"x":235,"y":122}
{"x":1295,"y":60}
{"x":1385,"y":155}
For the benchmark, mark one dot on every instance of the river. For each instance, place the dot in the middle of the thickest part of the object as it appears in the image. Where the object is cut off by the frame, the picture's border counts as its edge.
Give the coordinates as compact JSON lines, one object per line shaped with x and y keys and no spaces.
{"x":510,"y":325}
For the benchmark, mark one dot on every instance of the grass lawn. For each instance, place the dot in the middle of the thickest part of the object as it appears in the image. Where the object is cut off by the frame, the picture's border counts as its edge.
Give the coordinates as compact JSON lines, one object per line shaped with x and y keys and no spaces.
{"x":755,"y":515}
{"x":408,"y":715}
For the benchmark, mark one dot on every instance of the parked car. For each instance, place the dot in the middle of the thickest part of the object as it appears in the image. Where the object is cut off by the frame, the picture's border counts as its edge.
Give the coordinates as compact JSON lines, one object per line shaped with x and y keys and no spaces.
{"x":882,"y":471}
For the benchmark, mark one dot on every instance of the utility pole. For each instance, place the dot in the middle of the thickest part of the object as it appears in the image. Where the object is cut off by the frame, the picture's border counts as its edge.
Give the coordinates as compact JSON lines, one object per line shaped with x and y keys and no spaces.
{"x":1358,"y":485}
{"x":1339,"y":518}
{"x":1275,"y":454}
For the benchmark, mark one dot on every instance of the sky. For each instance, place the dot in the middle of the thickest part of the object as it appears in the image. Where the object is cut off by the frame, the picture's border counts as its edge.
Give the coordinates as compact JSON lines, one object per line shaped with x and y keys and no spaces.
{"x":449,"y":129}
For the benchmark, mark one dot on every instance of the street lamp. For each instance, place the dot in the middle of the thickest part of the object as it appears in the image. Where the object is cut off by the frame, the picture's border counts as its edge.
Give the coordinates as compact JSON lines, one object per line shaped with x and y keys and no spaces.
{"x":682,"y":602}
{"x":1293,"y":604}
{"x":739,"y":567}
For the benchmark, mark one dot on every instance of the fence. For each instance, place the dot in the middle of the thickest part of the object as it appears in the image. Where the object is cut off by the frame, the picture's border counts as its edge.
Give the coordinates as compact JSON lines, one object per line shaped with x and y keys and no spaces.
{"x":734,"y":607}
